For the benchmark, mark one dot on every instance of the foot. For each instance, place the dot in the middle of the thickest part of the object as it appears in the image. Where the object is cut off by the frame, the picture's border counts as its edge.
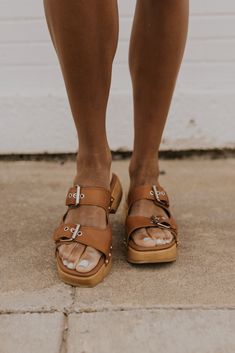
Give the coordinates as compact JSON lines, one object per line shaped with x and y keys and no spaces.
{"x":147,"y":174}
{"x":91,"y":172}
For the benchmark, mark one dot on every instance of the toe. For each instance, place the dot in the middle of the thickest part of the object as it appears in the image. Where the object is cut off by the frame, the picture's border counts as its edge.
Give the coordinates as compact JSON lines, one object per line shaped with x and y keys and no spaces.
{"x":160,"y":236}
{"x":88,"y":260}
{"x":142,"y":238}
{"x":168,"y":236}
{"x":75,"y":255}
{"x":65,"y":251}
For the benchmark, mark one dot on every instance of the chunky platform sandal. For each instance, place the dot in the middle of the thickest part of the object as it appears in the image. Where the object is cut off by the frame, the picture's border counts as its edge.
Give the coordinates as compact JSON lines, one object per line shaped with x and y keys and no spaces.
{"x":100,"y":239}
{"x":160,"y":253}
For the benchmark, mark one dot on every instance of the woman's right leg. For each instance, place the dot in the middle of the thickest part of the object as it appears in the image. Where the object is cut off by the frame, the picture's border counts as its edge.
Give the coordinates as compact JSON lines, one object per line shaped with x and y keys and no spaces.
{"x":84,"y":34}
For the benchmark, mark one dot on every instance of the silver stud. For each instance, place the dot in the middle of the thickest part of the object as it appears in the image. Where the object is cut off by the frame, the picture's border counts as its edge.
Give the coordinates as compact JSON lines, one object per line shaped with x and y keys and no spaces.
{"x":106,"y":261}
{"x":110,"y":254}
{"x":111,"y":247}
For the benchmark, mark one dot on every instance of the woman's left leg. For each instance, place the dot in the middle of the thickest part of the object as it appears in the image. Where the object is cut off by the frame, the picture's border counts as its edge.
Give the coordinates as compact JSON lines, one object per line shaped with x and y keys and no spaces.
{"x":156,"y":48}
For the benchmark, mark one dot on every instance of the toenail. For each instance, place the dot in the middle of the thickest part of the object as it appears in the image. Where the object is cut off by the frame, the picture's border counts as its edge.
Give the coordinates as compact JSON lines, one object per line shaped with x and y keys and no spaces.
{"x":83,"y":263}
{"x":70,"y":265}
{"x":159,"y":241}
{"x":147,"y":239}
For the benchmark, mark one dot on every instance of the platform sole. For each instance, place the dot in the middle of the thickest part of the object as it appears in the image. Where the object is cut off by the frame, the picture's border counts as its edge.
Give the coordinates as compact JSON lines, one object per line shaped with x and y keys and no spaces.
{"x":152,"y":256}
{"x":87,"y":281}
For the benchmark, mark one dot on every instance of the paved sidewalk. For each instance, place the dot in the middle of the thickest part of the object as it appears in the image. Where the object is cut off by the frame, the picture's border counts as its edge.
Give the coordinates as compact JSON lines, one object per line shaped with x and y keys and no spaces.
{"x":185,"y":307}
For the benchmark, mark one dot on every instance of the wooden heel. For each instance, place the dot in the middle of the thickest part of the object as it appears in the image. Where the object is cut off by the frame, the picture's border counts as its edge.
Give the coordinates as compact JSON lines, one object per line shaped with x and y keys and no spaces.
{"x":116,"y":194}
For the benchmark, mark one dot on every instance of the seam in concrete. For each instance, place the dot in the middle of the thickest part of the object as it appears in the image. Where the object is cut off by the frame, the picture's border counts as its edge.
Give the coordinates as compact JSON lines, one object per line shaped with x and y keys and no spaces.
{"x":63,"y":344}
{"x":142,"y":310}
{"x":68,"y":311}
{"x":73,"y":297}
{"x":103,"y":310}
{"x":15,"y":312}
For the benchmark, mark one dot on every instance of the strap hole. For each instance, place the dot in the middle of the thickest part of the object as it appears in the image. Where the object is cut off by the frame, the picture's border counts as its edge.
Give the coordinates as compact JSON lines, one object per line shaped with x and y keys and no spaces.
{"x":66,"y":228}
{"x":79,"y":233}
{"x":82,"y":195}
{"x":64,"y":239}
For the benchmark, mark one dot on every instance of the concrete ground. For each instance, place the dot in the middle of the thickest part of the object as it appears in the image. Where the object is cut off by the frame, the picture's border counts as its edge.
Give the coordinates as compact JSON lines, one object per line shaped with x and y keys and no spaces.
{"x":187,"y":306}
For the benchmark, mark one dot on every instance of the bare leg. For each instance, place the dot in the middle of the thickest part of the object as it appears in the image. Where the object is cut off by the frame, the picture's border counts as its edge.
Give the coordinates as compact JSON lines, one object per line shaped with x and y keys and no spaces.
{"x":156,"y":49}
{"x":84,"y":34}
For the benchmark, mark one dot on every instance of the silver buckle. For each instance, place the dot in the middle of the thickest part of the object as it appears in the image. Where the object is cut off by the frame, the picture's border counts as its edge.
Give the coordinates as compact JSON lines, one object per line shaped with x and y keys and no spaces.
{"x":156,"y":193}
{"x":156,"y":220}
{"x":75,"y":233}
{"x":78,"y":195}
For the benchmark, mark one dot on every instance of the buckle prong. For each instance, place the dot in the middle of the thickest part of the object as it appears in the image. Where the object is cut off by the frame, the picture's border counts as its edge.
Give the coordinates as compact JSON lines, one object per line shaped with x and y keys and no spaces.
{"x":156,"y":221}
{"x":75,"y":233}
{"x":78,"y":194}
{"x":156,"y":193}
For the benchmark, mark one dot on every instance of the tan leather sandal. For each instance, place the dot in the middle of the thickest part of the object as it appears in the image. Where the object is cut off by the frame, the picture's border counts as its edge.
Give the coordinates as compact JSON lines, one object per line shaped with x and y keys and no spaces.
{"x":160,"y":253}
{"x":100,"y":239}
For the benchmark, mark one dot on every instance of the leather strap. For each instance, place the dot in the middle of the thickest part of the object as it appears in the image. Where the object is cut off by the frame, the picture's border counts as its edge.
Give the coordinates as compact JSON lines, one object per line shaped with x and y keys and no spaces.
{"x":100,"y":239}
{"x":159,"y":196}
{"x":85,"y":195}
{"x":136,"y":222}
{"x":154,"y":193}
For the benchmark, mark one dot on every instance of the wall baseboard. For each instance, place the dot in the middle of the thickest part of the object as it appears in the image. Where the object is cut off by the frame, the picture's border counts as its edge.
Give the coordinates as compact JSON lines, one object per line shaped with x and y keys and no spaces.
{"x":121,"y":155}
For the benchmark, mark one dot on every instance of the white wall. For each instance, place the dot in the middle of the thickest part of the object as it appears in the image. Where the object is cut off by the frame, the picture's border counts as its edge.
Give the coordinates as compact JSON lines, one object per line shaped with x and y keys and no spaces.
{"x":34,"y":112}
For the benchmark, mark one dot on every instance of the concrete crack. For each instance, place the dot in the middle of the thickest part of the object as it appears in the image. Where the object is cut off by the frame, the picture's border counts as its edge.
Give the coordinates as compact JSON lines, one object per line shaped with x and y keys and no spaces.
{"x":63,"y":345}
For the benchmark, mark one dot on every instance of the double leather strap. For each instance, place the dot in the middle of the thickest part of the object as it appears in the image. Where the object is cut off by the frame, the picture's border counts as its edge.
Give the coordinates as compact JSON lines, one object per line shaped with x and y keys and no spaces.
{"x":158,"y":195}
{"x":100,"y":239}
{"x":86,"y":195}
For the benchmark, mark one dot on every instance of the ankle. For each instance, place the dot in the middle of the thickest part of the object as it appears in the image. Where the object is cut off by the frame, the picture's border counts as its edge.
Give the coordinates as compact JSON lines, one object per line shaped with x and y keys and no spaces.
{"x":142,"y":172}
{"x":93,"y":169}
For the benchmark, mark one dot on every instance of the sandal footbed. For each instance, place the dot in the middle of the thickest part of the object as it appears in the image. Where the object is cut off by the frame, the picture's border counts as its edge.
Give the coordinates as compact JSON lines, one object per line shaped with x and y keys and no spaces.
{"x":88,"y":279}
{"x":168,"y":254}
{"x":152,"y":248}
